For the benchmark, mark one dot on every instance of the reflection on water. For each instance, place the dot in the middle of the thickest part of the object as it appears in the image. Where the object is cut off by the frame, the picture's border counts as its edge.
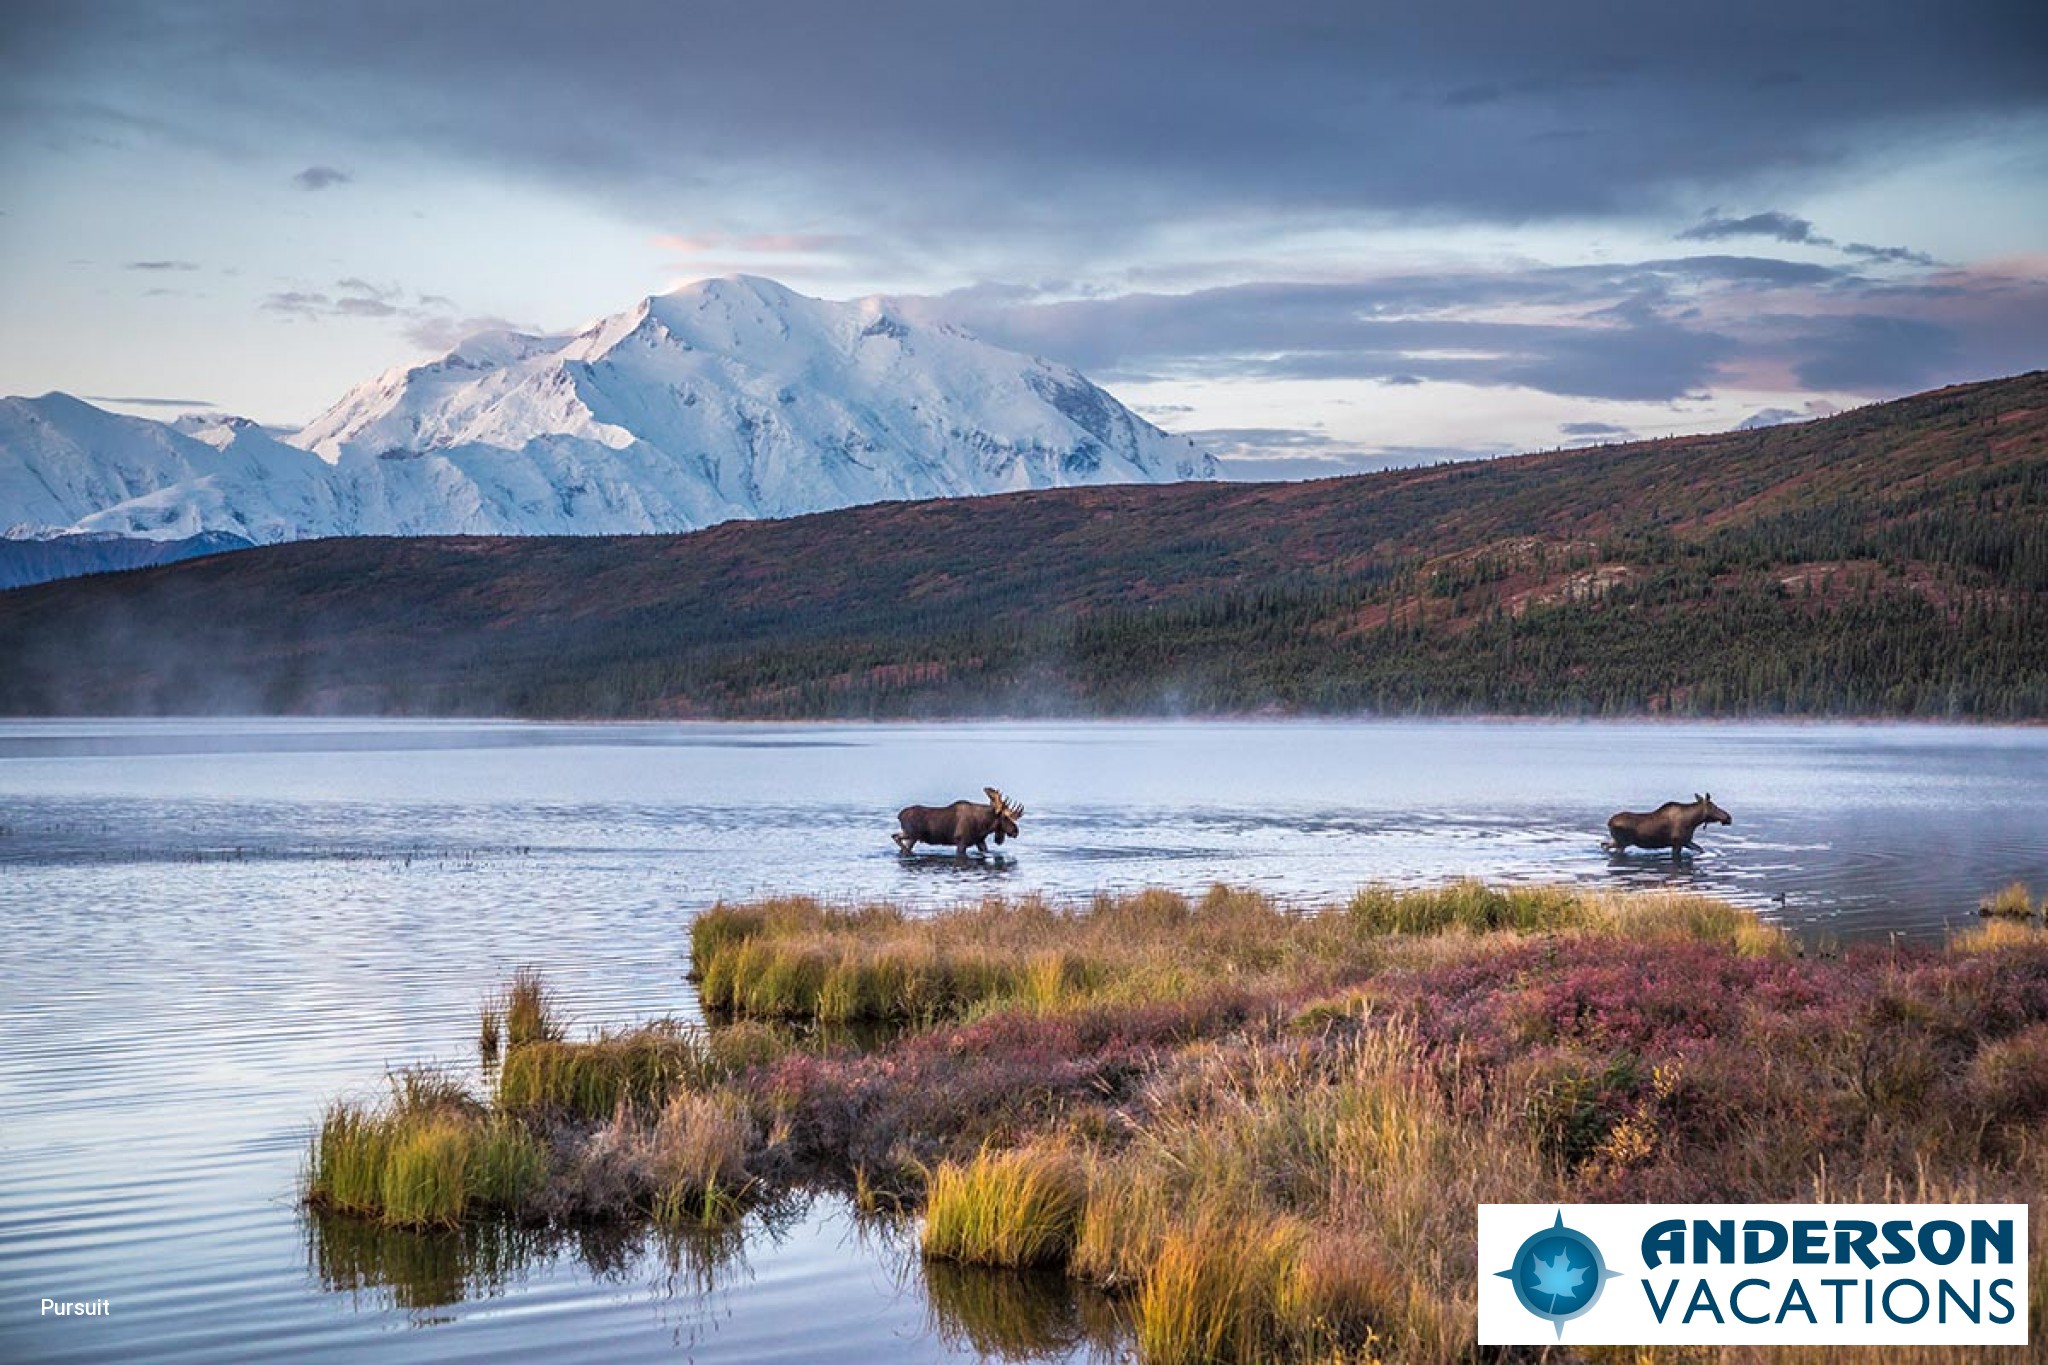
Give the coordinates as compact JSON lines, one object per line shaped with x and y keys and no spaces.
{"x":972,"y":875}
{"x":419,"y":1272}
{"x":1021,"y":1315}
{"x":215,"y":927}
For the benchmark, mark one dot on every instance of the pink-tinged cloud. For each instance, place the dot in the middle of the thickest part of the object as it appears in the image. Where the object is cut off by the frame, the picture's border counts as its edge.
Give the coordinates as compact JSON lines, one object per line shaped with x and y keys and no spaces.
{"x":797,"y":242}
{"x":775,"y":243}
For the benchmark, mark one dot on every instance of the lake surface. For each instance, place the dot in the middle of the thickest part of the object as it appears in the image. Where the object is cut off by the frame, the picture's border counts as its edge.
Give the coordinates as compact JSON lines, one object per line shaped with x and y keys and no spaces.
{"x":213,"y":928}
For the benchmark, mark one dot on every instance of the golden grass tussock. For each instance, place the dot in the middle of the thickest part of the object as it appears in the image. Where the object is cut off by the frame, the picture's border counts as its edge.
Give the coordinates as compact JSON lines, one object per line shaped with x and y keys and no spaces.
{"x":1670,"y":916}
{"x":345,"y":1171}
{"x":524,"y":1011}
{"x":1018,"y":1209}
{"x":1217,"y":1290}
{"x":2011,"y":901}
{"x":1472,"y":906}
{"x":621,"y":1122}
{"x":804,"y":960}
{"x":1995,"y":935}
{"x":421,"y":1167}
{"x":1132,"y":1204}
{"x":639,"y":1068}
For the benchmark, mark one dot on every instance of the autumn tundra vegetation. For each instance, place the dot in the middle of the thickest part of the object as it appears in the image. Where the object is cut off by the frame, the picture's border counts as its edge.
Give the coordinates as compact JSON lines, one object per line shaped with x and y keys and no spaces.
{"x":1242,"y":1130}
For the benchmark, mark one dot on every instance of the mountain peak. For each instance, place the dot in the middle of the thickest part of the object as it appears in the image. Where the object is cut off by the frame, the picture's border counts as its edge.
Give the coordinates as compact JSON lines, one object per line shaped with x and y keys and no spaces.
{"x":758,"y":288}
{"x":734,"y":397}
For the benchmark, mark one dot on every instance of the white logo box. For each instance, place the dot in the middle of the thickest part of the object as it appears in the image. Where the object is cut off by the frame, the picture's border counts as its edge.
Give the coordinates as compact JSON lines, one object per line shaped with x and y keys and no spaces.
{"x":1838,"y":1300}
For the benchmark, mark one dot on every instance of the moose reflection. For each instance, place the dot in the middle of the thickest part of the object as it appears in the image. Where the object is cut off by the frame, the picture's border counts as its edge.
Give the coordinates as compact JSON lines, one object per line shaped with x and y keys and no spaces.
{"x":960,"y":824}
{"x":1670,"y":826}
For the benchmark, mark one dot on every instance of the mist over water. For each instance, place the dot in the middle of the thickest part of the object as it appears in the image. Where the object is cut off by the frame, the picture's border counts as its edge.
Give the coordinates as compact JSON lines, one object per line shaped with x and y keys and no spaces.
{"x":214,"y":927}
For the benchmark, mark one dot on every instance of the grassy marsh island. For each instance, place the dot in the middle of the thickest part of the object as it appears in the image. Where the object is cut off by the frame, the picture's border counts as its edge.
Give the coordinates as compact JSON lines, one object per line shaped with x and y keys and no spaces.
{"x":1244,"y":1131}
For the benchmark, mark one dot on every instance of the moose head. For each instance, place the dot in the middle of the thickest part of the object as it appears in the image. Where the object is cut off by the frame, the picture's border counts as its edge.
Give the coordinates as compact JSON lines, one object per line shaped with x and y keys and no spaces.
{"x":1006,"y":813}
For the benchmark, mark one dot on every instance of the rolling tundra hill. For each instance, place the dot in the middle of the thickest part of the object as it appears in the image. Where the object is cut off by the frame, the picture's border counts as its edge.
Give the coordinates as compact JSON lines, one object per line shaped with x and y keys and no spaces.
{"x":1889,"y":561}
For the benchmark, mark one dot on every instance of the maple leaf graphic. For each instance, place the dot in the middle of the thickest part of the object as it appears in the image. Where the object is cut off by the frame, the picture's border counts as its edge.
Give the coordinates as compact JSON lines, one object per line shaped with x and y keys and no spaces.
{"x":1557,"y":1278}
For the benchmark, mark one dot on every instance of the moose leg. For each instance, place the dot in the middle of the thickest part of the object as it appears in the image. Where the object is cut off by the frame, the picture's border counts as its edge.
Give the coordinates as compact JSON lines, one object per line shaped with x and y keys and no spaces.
{"x":904,"y":843}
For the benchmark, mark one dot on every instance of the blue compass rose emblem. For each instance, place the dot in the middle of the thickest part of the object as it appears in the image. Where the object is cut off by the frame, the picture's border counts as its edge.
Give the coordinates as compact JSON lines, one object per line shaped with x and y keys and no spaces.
{"x":1558,"y":1273}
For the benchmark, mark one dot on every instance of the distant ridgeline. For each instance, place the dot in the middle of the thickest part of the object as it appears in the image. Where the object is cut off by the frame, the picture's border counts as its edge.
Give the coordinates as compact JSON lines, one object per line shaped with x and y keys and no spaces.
{"x":1889,"y":561}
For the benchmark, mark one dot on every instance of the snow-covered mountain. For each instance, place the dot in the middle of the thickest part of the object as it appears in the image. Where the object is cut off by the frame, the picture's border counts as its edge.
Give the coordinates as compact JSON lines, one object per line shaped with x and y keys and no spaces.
{"x":67,"y":467}
{"x":730,"y":398}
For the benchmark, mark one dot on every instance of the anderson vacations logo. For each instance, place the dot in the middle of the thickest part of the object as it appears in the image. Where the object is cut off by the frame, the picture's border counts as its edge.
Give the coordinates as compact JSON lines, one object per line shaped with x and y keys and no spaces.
{"x":1753,"y":1274}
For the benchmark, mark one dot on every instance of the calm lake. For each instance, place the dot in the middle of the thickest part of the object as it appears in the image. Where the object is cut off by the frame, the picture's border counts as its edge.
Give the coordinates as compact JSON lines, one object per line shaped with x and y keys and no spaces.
{"x":212,"y":928}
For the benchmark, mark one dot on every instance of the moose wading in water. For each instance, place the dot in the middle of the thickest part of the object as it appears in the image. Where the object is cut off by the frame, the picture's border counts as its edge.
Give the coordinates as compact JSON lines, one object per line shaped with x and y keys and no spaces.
{"x":1670,"y":826}
{"x":960,"y":824}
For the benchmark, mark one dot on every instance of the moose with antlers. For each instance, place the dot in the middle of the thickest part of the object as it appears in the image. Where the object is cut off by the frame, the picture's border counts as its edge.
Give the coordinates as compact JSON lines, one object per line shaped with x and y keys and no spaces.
{"x":960,"y":824}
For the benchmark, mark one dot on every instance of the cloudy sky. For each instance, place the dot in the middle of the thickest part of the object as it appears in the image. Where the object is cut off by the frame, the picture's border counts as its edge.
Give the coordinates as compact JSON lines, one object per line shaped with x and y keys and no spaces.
{"x":1319,"y":236}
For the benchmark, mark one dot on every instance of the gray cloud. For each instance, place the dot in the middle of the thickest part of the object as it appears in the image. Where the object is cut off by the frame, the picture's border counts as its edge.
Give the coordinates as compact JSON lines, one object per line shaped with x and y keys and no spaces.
{"x":298,"y":303}
{"x":437,"y":331}
{"x":1593,"y":429}
{"x":1896,"y":254}
{"x":1653,"y":331}
{"x":1781,"y":226}
{"x":430,"y":321}
{"x":1398,"y":331}
{"x":1770,"y":417}
{"x":1257,"y":454}
{"x":134,"y":402}
{"x":364,"y":308}
{"x":161,"y":265}
{"x":928,"y":123}
{"x":320,"y":178}
{"x":1232,"y":439}
{"x":1870,"y":352}
{"x":1785,"y":227}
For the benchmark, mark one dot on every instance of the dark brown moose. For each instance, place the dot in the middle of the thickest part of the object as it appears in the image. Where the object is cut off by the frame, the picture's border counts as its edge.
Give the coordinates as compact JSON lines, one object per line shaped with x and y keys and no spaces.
{"x":1669,"y":826}
{"x":960,"y":824}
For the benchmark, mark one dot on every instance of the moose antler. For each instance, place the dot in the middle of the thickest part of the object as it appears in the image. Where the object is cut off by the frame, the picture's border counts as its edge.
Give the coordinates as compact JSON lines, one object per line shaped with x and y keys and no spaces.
{"x":1003,"y":804}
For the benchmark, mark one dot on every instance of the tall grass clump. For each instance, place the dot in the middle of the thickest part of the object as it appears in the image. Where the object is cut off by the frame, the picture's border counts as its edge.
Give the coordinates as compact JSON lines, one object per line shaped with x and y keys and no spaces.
{"x":1132,"y":1205}
{"x":698,"y":1152}
{"x":1215,"y":1290}
{"x":1996,"y":935}
{"x":2011,"y":901}
{"x":426,"y":1172}
{"x":524,"y":1011}
{"x":1469,"y":905}
{"x":1017,"y":1209}
{"x":639,"y":1068}
{"x":839,"y":978}
{"x":1662,"y":916}
{"x":345,"y":1169}
{"x":426,"y":1158}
